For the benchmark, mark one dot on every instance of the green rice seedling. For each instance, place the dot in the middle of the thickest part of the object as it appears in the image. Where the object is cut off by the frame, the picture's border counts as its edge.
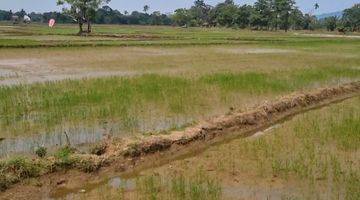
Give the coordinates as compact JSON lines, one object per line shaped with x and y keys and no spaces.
{"x":199,"y":187}
{"x":178,"y":187}
{"x":149,"y":187}
{"x":64,"y":159}
{"x":352,"y":185}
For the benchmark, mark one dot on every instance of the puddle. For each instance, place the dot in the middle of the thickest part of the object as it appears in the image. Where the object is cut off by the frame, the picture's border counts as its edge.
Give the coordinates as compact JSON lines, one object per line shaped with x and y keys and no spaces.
{"x":264,"y":132}
{"x":6,"y":73}
{"x":52,"y":141}
{"x":82,"y":137}
{"x":115,"y":183}
{"x":21,"y":62}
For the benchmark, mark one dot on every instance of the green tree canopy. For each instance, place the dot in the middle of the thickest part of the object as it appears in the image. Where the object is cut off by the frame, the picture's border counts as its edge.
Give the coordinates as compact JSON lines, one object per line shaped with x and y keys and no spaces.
{"x":82,"y":11}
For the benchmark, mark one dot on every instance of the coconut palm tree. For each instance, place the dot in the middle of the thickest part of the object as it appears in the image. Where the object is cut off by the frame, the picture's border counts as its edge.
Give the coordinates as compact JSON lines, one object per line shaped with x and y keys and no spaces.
{"x":146,"y":8}
{"x":316,"y":6}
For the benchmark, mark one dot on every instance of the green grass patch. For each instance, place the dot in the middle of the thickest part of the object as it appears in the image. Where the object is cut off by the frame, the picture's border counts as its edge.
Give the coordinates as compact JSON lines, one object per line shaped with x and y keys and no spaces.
{"x":18,"y":43}
{"x":41,"y":107}
{"x":199,"y":187}
{"x":318,"y":148}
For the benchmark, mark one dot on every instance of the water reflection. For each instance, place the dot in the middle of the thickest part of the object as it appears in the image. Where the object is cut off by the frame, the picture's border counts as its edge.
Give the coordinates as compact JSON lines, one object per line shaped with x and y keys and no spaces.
{"x":77,"y":136}
{"x":81,"y":136}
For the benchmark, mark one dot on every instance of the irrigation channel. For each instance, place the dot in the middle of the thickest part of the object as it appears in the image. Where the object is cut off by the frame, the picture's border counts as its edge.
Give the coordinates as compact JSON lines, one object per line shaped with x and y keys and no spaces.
{"x":128,"y":181}
{"x":157,"y":151}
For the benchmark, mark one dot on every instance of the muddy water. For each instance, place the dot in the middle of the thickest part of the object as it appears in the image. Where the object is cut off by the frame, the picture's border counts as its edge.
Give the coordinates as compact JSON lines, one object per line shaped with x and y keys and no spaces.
{"x":114,"y":186}
{"x":82,"y":137}
{"x":233,"y":187}
{"x":52,"y":141}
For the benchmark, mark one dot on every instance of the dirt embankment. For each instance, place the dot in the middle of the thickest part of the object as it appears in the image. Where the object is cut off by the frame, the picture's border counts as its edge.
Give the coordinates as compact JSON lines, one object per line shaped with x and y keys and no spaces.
{"x":125,"y":154}
{"x":243,"y":123}
{"x":231,"y":125}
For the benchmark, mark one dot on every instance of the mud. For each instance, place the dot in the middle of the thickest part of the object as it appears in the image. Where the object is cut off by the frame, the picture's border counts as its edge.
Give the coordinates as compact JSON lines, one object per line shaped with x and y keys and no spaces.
{"x":27,"y":71}
{"x":55,"y":65}
{"x":125,"y":156}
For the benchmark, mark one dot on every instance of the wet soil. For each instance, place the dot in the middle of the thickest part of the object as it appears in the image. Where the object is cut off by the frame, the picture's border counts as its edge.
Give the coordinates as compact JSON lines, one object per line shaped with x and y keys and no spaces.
{"x":159,"y":150}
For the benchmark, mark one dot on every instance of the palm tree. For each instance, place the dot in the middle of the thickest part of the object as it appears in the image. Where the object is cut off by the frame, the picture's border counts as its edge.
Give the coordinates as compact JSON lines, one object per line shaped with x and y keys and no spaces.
{"x":316,"y":6}
{"x":146,"y":8}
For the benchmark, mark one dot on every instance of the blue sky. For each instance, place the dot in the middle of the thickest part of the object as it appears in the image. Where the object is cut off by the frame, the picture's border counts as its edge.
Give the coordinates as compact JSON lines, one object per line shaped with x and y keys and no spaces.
{"x":169,"y":5}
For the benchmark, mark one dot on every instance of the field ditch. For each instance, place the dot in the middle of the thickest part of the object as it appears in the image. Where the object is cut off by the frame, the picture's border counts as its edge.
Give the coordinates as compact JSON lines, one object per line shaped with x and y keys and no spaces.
{"x":127,"y":154}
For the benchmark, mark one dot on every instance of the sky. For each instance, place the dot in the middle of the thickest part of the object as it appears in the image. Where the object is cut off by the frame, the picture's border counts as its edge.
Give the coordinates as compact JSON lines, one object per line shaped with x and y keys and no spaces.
{"x":168,"y":6}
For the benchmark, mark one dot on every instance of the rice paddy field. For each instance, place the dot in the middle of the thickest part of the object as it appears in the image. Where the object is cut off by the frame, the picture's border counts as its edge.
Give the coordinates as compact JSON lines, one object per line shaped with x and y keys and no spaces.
{"x":57,"y":88}
{"x":314,"y":155}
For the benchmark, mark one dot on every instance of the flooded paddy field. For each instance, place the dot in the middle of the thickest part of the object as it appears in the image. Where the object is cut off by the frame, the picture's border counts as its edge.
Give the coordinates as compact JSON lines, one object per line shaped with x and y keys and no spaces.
{"x":312,"y":155}
{"x":58,"y":89}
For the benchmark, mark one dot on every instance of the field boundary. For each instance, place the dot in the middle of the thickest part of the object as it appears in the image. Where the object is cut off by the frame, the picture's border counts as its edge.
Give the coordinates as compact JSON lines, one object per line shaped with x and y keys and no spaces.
{"x":243,"y":123}
{"x":127,"y":156}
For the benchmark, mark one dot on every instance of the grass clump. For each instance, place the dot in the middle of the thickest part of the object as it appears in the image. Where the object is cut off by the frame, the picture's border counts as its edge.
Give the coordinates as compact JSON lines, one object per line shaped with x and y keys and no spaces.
{"x":87,"y":165}
{"x":17,"y":169}
{"x":22,"y":167}
{"x":178,"y":187}
{"x":64,"y":159}
{"x":41,"y":152}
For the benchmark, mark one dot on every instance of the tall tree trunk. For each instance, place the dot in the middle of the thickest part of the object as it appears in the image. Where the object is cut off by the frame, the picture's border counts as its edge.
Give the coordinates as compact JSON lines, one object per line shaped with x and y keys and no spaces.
{"x":80,"y":28}
{"x":286,"y":22}
{"x":88,"y":26}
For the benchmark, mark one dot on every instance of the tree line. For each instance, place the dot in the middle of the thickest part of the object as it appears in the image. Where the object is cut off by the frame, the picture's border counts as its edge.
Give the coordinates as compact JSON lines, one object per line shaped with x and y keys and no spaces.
{"x":104,"y":15}
{"x":263,"y":15}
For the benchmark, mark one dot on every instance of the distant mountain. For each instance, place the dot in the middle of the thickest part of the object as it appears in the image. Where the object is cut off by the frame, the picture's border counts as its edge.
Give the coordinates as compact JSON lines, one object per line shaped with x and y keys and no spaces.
{"x":337,"y":14}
